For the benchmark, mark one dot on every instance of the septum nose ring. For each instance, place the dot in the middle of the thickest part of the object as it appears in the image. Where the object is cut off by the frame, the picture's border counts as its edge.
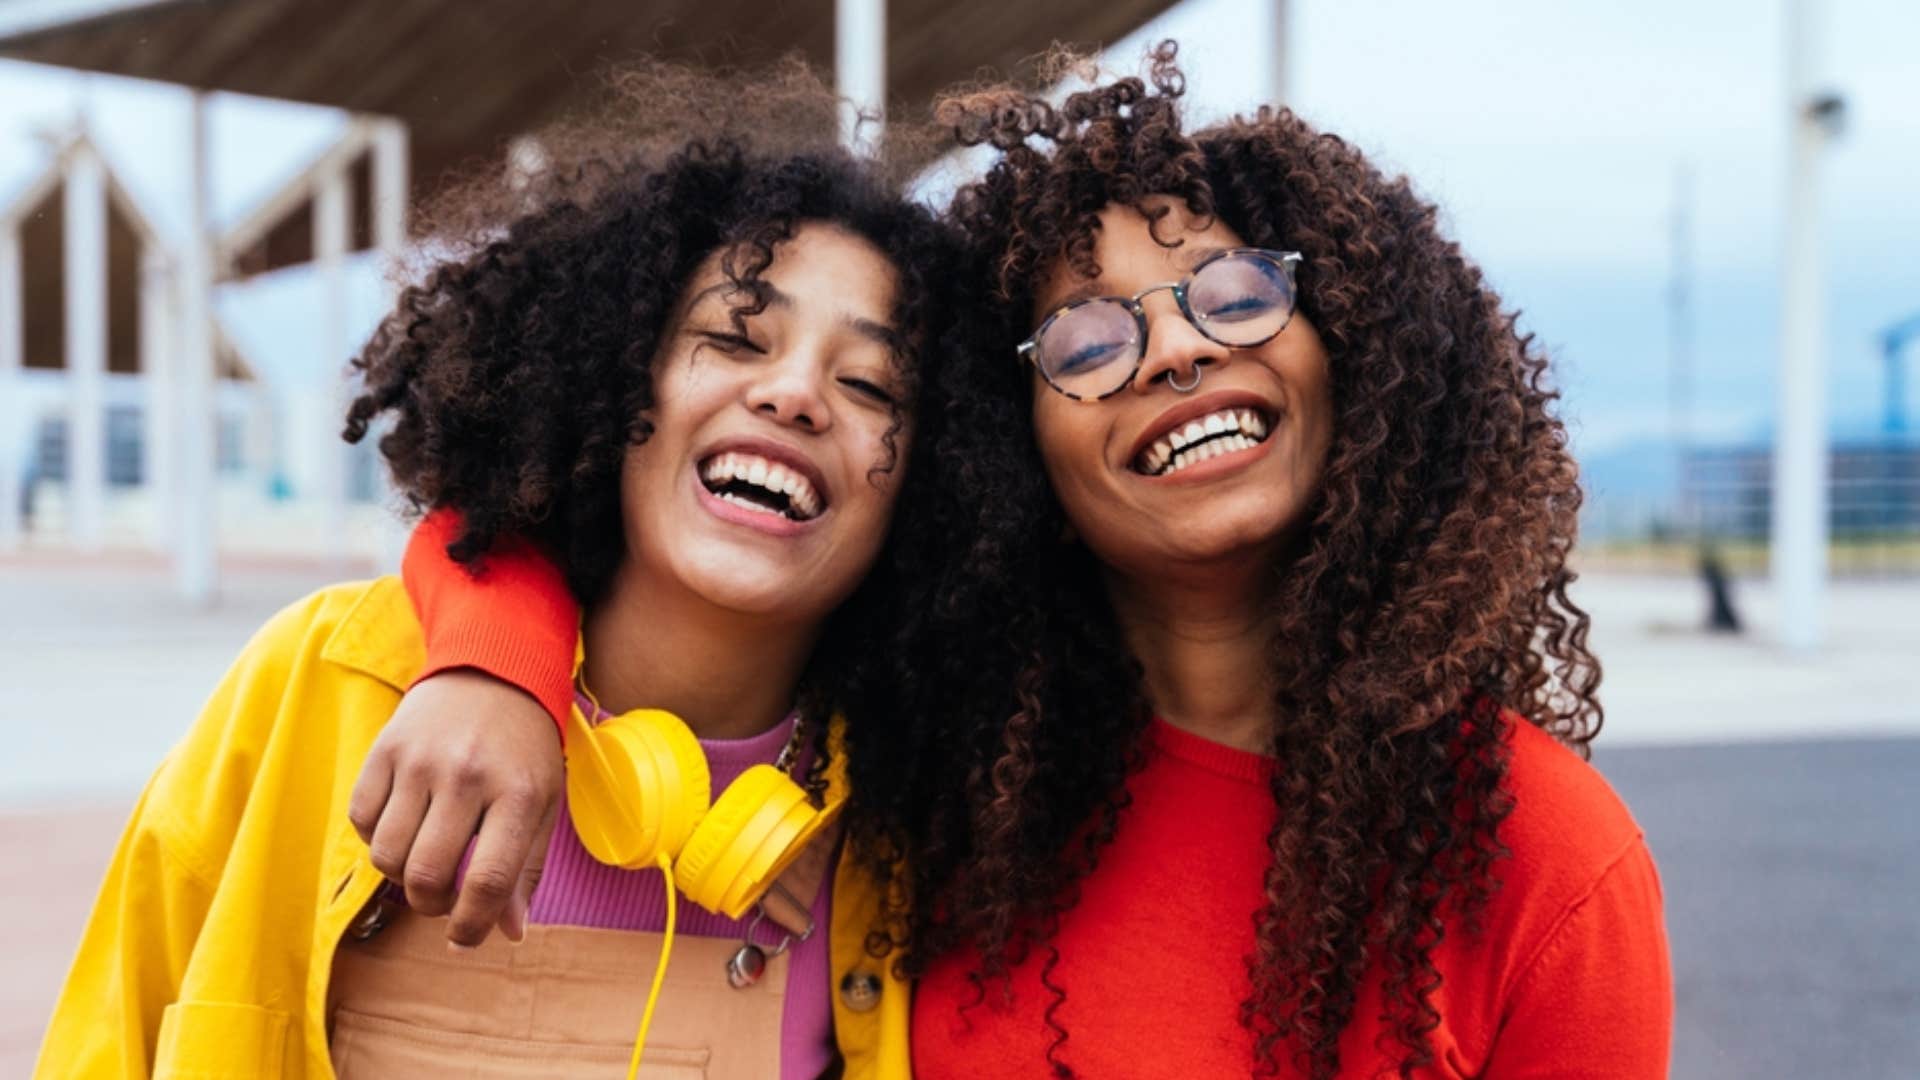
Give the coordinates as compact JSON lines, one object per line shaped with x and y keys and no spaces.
{"x":1185,"y":388}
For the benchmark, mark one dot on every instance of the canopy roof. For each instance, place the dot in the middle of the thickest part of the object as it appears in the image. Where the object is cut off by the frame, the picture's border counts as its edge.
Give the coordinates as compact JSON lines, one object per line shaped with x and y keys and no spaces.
{"x":467,"y":75}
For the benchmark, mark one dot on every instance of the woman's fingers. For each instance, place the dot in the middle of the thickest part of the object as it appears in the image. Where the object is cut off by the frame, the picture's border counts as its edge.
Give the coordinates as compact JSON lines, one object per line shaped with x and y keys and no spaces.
{"x":370,"y":793}
{"x":394,"y":829}
{"x":514,"y":922}
{"x":433,"y":865}
{"x":508,"y":828}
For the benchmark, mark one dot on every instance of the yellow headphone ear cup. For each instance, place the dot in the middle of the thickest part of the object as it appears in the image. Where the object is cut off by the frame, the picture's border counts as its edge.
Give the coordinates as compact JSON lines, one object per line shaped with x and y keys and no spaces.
{"x":637,"y":785}
{"x":686,"y":783}
{"x":777,"y":852}
{"x":751,"y":834}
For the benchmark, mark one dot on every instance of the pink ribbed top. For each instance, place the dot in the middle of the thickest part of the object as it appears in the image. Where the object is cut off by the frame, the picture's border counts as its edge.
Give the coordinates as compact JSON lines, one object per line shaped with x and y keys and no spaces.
{"x":578,"y":890}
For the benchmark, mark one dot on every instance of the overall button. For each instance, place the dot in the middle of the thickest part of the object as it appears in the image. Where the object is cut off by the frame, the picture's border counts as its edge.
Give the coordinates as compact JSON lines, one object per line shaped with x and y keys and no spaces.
{"x":860,"y":991}
{"x":373,"y":918}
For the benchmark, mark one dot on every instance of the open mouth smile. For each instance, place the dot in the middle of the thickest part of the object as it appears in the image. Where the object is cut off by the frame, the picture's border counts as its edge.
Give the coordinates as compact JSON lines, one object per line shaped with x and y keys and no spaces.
{"x":1223,"y":431}
{"x":761,"y":485}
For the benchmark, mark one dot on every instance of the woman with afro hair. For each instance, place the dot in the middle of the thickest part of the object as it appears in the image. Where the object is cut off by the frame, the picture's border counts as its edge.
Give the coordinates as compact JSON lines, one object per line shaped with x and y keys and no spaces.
{"x":1247,"y":731}
{"x":686,"y":357}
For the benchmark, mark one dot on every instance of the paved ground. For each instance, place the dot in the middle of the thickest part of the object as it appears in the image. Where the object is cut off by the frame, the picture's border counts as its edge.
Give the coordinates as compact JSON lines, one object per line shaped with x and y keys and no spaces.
{"x":1790,"y":871}
{"x":1791,"y":859}
{"x":1667,"y":683}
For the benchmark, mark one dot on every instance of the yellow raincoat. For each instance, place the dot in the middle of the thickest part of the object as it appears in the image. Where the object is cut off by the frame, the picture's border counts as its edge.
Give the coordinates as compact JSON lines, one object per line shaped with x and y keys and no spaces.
{"x":211,"y":943}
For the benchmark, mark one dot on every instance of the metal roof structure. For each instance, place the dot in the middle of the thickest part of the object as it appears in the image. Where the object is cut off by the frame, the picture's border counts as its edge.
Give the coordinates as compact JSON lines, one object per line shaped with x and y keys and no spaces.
{"x":466,"y":76}
{"x":434,"y":88}
{"x":37,"y":212}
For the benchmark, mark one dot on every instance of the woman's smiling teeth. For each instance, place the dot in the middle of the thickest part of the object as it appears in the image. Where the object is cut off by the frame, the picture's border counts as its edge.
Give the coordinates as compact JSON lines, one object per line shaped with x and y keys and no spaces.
{"x":758,"y":484}
{"x":1209,"y":436}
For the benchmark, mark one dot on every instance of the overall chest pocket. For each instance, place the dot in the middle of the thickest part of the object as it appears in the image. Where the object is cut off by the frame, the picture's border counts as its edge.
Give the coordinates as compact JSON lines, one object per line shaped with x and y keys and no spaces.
{"x":365,"y":1047}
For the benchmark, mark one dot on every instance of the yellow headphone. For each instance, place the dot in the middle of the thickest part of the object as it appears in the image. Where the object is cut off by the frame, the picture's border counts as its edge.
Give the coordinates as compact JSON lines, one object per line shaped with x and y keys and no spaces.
{"x":640,"y":795}
{"x":638,"y":789}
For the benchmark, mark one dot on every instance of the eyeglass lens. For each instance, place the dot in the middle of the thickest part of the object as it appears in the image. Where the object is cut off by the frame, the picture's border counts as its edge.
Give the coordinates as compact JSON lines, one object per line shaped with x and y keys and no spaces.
{"x":1236,"y":300}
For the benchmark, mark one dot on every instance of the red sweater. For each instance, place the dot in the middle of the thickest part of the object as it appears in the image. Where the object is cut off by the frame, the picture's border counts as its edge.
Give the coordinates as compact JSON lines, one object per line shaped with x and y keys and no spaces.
{"x":1569,"y":978}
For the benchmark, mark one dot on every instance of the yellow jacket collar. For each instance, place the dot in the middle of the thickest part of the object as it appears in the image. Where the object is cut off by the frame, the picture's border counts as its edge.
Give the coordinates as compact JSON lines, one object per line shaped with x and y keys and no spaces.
{"x":380,"y":636}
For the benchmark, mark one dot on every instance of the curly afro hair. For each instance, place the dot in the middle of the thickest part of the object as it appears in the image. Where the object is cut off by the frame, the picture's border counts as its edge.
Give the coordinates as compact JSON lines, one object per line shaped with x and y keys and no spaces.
{"x":1426,"y":610}
{"x":515,"y":374}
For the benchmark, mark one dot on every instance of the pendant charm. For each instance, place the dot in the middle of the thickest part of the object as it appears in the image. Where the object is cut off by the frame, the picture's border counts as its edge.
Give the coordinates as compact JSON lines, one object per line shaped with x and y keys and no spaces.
{"x":746,"y":965}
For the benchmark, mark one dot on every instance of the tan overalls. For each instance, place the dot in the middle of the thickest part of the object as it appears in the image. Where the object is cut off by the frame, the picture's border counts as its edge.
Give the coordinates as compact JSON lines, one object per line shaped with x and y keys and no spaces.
{"x":566,"y":1002}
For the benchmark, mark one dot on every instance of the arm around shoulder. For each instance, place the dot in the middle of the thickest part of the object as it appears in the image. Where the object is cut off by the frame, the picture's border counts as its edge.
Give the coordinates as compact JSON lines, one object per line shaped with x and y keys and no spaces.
{"x":517,"y":621}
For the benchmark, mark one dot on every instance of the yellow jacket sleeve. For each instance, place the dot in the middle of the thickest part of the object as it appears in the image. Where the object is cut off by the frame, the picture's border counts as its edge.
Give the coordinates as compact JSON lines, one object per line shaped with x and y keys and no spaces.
{"x":165,"y":872}
{"x":130,"y":963}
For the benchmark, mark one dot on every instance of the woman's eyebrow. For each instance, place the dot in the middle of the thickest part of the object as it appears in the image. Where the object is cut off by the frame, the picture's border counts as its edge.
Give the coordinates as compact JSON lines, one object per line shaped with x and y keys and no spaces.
{"x":1088,"y":290}
{"x":868,"y":328}
{"x":878,"y":332}
{"x":1192,"y":257}
{"x":1184,"y":261}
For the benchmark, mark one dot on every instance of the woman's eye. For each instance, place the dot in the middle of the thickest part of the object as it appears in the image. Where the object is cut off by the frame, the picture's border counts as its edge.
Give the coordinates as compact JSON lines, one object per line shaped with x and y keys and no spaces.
{"x":1241,"y":307}
{"x":867,"y":389}
{"x":1089,"y":357}
{"x":730,"y":342}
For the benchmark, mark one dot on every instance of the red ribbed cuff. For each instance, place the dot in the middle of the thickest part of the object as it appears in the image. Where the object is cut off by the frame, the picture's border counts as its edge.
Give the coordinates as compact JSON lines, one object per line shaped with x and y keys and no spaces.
{"x":516,"y":620}
{"x":513,"y":653}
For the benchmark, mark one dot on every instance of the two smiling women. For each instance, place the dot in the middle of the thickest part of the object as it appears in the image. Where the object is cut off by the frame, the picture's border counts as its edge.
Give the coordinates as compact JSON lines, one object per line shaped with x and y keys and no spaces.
{"x":1183,"y":547}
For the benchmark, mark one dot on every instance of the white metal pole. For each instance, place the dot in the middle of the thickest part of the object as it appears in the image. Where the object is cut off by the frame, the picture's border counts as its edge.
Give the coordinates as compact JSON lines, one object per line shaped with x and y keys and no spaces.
{"x":860,"y":70}
{"x":16,"y":427}
{"x":85,"y":245}
{"x":330,"y":225}
{"x":390,"y":187}
{"x":195,"y":567}
{"x":1680,"y":330}
{"x":1799,"y":524}
{"x":1279,"y":59}
{"x":160,"y":437}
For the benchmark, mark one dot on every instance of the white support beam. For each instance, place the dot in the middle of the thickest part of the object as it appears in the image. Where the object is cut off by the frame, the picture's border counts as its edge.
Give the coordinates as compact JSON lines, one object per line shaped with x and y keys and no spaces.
{"x":860,"y":70}
{"x":391,"y":185}
{"x":1800,"y":453}
{"x":195,"y":565}
{"x":28,"y":199}
{"x":331,"y":222}
{"x":16,"y":427}
{"x":1280,"y":54}
{"x":158,"y":375}
{"x":253,"y":228}
{"x":85,"y":247}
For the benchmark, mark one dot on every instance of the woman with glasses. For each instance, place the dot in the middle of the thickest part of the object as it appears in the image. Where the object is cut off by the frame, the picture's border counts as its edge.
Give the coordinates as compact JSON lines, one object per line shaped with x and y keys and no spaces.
{"x":1250,"y":726}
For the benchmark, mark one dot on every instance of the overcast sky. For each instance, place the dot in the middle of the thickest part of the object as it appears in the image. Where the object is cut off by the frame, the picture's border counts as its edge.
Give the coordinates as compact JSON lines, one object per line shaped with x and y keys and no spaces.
{"x":1550,"y":134}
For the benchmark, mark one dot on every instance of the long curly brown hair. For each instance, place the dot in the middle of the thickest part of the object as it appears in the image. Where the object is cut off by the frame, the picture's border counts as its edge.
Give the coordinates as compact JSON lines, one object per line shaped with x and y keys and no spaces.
{"x":1426,"y":610}
{"x":512,"y":377}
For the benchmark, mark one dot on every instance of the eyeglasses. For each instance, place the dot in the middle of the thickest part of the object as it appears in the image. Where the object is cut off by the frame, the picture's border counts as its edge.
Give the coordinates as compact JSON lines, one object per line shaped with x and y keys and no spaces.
{"x":1091,"y":349}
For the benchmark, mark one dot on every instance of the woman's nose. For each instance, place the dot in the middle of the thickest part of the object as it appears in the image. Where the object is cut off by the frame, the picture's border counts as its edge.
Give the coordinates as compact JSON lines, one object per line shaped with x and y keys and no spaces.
{"x":790,"y":392}
{"x":1175,"y":348}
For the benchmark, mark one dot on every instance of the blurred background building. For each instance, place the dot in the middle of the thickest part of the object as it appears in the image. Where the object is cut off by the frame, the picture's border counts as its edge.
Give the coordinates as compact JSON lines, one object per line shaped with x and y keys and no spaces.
{"x":202,"y":203}
{"x":114,"y":329}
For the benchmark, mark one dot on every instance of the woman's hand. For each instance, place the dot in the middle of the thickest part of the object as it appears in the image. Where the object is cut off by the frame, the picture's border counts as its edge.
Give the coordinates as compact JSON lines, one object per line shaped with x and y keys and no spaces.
{"x":464,"y":754}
